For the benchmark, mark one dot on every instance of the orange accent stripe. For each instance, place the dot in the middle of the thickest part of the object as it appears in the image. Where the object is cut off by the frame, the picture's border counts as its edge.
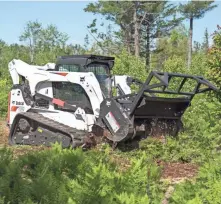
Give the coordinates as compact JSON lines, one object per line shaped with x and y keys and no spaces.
{"x":14,"y":108}
{"x":58,"y":102}
{"x":62,"y":74}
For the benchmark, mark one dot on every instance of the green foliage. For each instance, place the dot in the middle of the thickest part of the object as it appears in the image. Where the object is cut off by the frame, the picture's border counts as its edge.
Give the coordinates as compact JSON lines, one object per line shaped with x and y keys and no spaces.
{"x":4,"y":89}
{"x":177,"y":64}
{"x":130,"y":65}
{"x":150,"y":20}
{"x":208,"y":124}
{"x":214,"y":62}
{"x":170,"y":47}
{"x":47,"y":41}
{"x":74,"y":176}
{"x":183,"y":149}
{"x":205,"y":44}
{"x":196,"y":9}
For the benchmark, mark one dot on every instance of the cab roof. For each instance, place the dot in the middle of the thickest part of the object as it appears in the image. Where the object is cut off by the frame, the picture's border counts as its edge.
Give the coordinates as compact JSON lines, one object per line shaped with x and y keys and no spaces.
{"x":85,"y":60}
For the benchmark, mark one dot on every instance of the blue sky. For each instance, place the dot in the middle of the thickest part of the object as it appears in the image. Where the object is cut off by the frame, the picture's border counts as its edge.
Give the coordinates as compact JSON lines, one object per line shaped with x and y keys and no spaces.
{"x":70,"y":18}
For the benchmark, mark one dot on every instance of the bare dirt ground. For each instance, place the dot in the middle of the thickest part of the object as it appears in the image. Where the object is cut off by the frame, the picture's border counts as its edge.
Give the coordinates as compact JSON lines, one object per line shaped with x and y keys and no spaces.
{"x":178,"y":171}
{"x":4,"y":131}
{"x":174,"y":173}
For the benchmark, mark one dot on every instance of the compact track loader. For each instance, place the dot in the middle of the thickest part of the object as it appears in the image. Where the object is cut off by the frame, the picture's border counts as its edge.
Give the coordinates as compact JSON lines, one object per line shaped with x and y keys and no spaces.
{"x":72,"y":102}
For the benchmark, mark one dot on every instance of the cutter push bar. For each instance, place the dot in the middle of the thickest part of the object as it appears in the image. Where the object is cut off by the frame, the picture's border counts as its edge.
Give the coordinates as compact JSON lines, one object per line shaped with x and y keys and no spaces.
{"x":164,"y":79}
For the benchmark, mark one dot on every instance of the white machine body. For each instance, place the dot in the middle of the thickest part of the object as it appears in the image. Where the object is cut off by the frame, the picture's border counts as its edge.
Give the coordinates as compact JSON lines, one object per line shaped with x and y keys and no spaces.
{"x":40,"y":81}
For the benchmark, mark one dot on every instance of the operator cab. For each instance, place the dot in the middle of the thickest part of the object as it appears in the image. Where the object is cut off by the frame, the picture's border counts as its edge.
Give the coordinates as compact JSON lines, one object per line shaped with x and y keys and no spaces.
{"x":99,"y":65}
{"x":74,"y":93}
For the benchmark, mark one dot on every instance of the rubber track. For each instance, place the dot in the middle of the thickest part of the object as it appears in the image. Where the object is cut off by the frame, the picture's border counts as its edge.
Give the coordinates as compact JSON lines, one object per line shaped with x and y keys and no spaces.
{"x":76,"y":135}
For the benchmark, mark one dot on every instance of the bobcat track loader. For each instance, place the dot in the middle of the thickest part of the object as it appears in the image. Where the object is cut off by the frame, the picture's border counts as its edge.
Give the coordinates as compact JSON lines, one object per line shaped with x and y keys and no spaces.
{"x":72,"y":102}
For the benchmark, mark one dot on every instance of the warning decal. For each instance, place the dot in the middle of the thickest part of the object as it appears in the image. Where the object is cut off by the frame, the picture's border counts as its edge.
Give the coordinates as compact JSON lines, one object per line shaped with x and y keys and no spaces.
{"x":112,"y":121}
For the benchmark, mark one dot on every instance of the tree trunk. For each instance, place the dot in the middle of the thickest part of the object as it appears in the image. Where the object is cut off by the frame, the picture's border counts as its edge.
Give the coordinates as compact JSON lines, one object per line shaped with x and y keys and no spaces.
{"x":126,"y":37}
{"x":31,"y":56}
{"x":131,"y":38}
{"x":128,"y":42}
{"x":136,"y":32}
{"x":190,"y":43}
{"x":148,"y":48}
{"x":206,"y":41}
{"x":32,"y":53}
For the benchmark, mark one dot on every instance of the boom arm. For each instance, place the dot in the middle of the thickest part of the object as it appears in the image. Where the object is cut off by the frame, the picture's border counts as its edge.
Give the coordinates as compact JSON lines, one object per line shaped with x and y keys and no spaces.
{"x":122,"y":85}
{"x":36,"y":74}
{"x":18,"y":67}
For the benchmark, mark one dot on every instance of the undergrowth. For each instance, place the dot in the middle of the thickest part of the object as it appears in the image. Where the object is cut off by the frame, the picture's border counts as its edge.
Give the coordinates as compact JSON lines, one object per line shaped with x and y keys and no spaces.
{"x":74,"y":176}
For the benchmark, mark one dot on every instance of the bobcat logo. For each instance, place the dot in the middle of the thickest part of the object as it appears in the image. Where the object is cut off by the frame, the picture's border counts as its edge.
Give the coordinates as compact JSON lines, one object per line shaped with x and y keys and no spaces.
{"x":108,"y":103}
{"x":19,"y":103}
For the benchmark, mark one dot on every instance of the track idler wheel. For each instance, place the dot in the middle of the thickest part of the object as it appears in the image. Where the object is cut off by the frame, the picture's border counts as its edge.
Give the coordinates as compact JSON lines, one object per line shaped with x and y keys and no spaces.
{"x":24,"y":125}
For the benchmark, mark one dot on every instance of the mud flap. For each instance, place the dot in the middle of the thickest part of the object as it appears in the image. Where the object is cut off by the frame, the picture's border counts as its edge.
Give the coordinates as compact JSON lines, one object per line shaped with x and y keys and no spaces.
{"x":118,"y":123}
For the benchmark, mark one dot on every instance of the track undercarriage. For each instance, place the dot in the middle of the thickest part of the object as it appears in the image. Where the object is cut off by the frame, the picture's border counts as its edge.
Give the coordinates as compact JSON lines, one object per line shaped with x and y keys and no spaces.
{"x":34,"y":129}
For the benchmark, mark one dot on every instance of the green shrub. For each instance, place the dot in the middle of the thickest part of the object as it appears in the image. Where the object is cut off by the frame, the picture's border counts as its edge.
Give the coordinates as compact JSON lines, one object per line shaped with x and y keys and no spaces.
{"x":126,"y":64}
{"x":74,"y":176}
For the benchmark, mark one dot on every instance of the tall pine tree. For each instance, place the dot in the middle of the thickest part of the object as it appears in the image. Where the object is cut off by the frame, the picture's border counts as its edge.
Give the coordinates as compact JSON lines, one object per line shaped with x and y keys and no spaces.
{"x":206,"y":42}
{"x":191,"y":11}
{"x":140,"y":22}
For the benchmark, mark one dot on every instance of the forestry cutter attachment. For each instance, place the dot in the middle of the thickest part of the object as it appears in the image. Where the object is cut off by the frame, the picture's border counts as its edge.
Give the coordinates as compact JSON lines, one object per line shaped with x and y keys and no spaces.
{"x":155,"y":109}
